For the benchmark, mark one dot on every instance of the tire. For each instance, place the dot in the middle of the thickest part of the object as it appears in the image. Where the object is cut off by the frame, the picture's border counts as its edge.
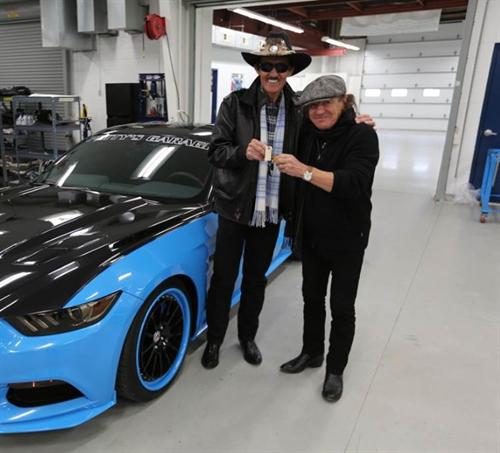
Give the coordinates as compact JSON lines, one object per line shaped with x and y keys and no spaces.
{"x":156,"y":344}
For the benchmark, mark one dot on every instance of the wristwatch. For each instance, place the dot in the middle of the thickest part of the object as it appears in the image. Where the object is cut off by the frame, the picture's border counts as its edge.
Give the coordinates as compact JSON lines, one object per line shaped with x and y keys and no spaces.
{"x":308,"y":174}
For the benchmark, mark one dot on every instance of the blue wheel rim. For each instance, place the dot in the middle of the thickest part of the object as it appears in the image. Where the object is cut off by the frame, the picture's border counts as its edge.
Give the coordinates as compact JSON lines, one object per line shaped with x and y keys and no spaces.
{"x":163,"y":339}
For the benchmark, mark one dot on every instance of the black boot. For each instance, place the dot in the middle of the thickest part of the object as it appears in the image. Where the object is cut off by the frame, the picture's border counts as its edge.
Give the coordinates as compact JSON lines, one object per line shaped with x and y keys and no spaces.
{"x":332,"y":388}
{"x":210,"y":357}
{"x":251,"y":352}
{"x":301,"y":362}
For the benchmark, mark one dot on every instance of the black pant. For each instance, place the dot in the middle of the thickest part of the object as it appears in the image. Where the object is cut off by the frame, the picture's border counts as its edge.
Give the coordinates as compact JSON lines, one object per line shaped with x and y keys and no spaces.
{"x":258,"y":246}
{"x":345,"y":267}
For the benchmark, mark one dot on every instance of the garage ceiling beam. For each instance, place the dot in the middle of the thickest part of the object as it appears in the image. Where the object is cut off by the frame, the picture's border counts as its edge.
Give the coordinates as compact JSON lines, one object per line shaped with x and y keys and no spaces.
{"x":356,"y":6}
{"x":310,"y":39}
{"x":325,"y":10}
{"x":333,"y":52}
{"x":316,"y":17}
{"x":233,"y":3}
{"x":299,"y":11}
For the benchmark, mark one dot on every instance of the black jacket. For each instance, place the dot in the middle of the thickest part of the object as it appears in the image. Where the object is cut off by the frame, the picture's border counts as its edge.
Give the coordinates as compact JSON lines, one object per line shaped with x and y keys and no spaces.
{"x":235,"y":178}
{"x":340,"y":219}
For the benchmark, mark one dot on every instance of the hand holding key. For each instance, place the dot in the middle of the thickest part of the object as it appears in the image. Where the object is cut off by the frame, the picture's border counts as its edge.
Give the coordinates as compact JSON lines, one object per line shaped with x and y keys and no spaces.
{"x":256,"y":150}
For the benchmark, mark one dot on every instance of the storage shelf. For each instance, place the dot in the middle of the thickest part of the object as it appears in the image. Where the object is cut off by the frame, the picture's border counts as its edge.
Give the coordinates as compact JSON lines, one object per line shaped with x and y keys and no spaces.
{"x":5,"y":177}
{"x":58,"y":98}
{"x":42,"y":101}
{"x":48,"y":128}
{"x":25,"y":154}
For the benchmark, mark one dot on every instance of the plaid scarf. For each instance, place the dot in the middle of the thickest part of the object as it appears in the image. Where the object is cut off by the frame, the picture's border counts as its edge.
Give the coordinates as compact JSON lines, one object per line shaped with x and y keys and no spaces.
{"x":268,"y":179}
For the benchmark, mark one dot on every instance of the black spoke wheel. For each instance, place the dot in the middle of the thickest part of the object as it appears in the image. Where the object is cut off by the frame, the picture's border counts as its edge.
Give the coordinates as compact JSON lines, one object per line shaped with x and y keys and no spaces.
{"x":156,"y":344}
{"x":161,"y":339}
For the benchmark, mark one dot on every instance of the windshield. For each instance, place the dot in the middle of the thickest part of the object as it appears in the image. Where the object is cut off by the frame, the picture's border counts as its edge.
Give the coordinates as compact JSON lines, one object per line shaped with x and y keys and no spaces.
{"x":156,"y":166}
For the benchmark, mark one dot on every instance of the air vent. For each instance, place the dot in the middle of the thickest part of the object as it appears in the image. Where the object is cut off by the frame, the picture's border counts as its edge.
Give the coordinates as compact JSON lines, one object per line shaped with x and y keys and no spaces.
{"x":41,"y":393}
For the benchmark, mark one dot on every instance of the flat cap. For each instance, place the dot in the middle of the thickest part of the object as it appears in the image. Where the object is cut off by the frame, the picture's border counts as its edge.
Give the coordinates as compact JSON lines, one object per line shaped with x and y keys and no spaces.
{"x":322,"y":89}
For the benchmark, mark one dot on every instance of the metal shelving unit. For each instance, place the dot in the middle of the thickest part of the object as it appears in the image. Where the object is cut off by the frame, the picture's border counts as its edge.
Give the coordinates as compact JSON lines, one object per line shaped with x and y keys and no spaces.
{"x":56,"y":126}
{"x":2,"y":150}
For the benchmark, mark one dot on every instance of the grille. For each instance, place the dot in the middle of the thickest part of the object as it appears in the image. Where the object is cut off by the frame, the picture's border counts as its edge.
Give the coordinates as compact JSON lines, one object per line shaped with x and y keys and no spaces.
{"x":41,"y":393}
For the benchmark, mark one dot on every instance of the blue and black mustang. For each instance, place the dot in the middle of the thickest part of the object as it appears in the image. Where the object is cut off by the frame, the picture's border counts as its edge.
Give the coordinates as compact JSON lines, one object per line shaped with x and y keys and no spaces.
{"x":104,"y":267}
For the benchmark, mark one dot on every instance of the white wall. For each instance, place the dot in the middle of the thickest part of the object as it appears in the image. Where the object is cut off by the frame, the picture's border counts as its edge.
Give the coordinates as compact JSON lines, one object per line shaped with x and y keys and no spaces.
{"x":120,"y":59}
{"x":117,"y":59}
{"x":202,"y":70}
{"x":182,"y":32}
{"x":228,"y":61}
{"x":485,"y":34}
{"x":350,"y":64}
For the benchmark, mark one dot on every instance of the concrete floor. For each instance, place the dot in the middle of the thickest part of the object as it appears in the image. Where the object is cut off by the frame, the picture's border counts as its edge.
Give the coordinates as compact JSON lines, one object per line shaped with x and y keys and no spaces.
{"x":424,"y":371}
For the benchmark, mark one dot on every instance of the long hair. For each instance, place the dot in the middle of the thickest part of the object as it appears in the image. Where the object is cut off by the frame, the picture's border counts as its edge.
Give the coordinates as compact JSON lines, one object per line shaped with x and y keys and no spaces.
{"x":350,"y":101}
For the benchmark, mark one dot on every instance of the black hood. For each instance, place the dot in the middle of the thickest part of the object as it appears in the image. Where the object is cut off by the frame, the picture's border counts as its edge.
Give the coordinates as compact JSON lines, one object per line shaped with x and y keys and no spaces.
{"x":53,"y":240}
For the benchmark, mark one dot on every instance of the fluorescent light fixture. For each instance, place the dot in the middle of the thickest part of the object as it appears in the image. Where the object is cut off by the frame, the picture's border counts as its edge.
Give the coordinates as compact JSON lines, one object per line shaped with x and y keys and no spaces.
{"x":372,"y":92}
{"x":432,"y":92}
{"x":399,"y":92}
{"x":267,"y":20}
{"x":334,"y":42}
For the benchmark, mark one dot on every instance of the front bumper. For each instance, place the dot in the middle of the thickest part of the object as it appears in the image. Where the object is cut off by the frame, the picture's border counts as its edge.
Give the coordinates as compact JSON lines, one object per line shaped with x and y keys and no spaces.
{"x":87,"y":359}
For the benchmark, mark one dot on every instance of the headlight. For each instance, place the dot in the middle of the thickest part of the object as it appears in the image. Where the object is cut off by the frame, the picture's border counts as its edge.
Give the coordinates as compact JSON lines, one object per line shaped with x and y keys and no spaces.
{"x":63,"y":319}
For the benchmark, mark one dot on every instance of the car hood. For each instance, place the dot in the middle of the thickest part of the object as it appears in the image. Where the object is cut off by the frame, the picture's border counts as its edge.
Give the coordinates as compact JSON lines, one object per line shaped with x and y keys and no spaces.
{"x":54,"y":240}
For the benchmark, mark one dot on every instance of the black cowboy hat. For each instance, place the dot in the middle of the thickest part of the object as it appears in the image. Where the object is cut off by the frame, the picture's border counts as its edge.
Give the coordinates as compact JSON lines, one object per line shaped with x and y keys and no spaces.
{"x":278,"y":45}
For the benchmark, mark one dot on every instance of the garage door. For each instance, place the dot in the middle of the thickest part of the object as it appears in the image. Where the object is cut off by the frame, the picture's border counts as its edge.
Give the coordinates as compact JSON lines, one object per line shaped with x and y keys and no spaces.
{"x":23,"y":60}
{"x":408,"y":79}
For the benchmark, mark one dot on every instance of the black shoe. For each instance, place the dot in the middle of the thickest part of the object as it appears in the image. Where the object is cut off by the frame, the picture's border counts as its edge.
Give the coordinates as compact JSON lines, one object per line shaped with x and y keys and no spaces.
{"x":210,"y":357}
{"x":301,"y":362}
{"x":332,"y":388}
{"x":251,"y":352}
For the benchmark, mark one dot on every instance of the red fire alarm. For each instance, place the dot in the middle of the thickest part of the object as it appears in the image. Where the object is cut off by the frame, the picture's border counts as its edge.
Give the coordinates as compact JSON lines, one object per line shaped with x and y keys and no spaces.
{"x":154,"y":26}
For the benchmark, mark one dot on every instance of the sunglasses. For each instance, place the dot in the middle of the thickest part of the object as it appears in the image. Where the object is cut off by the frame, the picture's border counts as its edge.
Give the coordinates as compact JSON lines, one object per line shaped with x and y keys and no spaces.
{"x":268,"y":67}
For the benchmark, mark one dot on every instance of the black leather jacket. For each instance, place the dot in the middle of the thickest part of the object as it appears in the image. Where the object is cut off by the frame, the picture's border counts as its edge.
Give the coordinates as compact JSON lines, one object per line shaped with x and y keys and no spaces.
{"x":235,"y":178}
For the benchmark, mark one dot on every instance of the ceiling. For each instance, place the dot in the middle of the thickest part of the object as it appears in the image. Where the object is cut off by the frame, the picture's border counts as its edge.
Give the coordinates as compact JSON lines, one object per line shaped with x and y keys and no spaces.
{"x":323,"y":17}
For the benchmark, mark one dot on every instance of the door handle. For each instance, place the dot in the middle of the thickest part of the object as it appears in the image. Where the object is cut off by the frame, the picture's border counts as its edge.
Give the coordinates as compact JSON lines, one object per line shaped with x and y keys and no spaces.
{"x":489,"y":133}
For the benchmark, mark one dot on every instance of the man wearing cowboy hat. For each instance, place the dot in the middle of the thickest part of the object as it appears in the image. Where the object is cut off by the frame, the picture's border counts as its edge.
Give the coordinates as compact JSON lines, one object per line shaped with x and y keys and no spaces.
{"x":250,"y":194}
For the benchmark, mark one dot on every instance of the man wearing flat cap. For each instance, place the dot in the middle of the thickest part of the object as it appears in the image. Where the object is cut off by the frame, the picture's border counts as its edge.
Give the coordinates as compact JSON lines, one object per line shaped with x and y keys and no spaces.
{"x":251,"y":196}
{"x":334,"y":167}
